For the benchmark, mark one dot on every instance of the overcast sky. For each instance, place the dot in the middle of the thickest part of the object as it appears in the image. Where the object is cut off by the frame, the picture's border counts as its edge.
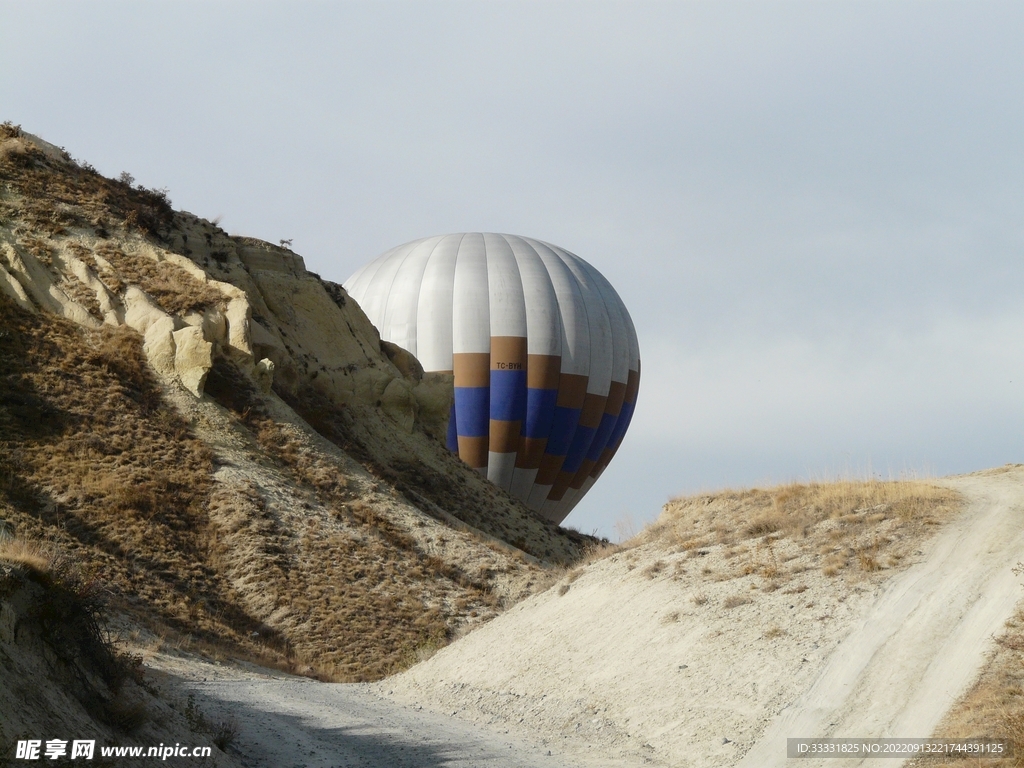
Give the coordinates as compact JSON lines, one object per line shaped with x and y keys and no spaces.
{"x":813,"y":210}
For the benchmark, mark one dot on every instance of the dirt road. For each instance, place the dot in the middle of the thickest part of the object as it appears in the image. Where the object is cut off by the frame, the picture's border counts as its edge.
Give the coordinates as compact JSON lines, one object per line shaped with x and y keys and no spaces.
{"x":922,"y":643}
{"x":296,"y":723}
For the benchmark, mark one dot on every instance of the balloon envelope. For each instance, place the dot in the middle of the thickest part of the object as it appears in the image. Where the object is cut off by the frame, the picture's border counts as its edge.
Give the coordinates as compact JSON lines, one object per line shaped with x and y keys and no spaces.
{"x":544,"y":355}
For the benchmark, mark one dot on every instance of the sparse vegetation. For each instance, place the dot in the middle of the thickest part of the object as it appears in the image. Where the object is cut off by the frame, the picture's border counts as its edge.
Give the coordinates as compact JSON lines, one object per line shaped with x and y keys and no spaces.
{"x":850,"y":525}
{"x":64,"y":610}
{"x":171,"y":286}
{"x":432,"y":490}
{"x":222,"y":733}
{"x":97,"y":460}
{"x":734,"y":601}
{"x":55,"y":195}
{"x":654,"y":569}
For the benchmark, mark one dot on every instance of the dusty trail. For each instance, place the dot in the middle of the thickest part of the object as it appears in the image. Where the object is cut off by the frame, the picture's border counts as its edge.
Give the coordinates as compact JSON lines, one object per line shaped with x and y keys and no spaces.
{"x":923,"y":642}
{"x":286,"y":723}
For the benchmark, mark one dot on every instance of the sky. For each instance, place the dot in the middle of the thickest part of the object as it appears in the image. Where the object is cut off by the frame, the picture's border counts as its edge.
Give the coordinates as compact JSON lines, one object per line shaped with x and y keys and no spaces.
{"x":812,"y":210}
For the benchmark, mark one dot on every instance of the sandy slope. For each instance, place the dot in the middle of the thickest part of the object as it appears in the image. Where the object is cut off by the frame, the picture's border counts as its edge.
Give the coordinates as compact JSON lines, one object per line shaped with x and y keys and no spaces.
{"x":628,"y":666}
{"x":923,"y":641}
{"x":626,"y":669}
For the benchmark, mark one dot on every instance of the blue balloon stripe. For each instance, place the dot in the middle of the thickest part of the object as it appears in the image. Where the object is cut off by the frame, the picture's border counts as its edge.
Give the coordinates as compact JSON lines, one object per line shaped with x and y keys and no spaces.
{"x":540,"y":412}
{"x":620,"y":426}
{"x":580,"y":442}
{"x":563,"y":426}
{"x":508,"y":395}
{"x":600,"y":441}
{"x":452,"y":438}
{"x":472,"y":411}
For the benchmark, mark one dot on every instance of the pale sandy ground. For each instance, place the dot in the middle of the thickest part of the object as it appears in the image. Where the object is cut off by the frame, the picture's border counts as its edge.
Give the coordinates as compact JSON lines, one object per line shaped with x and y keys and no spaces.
{"x":293,"y":722}
{"x":628,"y":667}
{"x":625,"y":668}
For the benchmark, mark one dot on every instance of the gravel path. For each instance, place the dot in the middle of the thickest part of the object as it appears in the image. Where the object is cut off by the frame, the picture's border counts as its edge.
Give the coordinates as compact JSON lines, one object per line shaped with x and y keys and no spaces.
{"x":300,"y":723}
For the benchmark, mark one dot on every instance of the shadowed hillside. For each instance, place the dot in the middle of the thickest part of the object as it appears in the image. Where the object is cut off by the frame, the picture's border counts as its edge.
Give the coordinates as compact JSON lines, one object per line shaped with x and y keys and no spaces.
{"x":221,"y":439}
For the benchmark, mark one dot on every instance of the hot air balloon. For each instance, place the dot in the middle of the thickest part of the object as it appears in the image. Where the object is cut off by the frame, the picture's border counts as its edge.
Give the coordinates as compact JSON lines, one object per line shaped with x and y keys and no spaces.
{"x":544,"y":355}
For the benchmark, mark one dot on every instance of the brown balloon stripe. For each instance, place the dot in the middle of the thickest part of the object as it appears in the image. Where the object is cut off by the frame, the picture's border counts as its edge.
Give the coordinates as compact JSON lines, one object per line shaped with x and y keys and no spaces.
{"x":590,"y":418}
{"x":472,"y":369}
{"x":632,"y":389}
{"x":560,"y":486}
{"x":549,"y":466}
{"x":616,"y":396}
{"x":582,"y":473}
{"x":504,"y":436}
{"x":473,"y":451}
{"x":508,"y":353}
{"x":543,"y":371}
{"x":572,"y":392}
{"x":612,"y":408}
{"x":593,"y":410}
{"x":633,"y":384}
{"x":531,"y":451}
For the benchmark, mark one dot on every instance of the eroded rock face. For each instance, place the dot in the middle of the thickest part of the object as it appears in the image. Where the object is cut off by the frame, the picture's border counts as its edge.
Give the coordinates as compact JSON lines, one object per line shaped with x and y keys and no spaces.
{"x":434,"y":403}
{"x":193,"y":358}
{"x":264,"y":374}
{"x":331,"y":473}
{"x":398,"y":402}
{"x":196,"y":294}
{"x":39,"y":286}
{"x":12,"y":288}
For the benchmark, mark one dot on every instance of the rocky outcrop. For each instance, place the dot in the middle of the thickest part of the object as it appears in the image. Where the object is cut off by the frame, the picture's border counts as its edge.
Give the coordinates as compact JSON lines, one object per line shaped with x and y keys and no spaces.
{"x":252,"y":303}
{"x":39,"y":285}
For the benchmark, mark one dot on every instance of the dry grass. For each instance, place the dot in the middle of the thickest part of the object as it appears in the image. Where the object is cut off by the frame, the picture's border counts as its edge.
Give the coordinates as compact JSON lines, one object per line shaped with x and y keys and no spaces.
{"x":654,"y":569}
{"x":63,"y":611}
{"x":850,"y":526}
{"x":47,"y":201}
{"x":96,"y":461}
{"x":379,"y":600}
{"x":734,"y":601}
{"x":29,"y":555}
{"x":439,"y":489}
{"x":55,"y":196}
{"x":174,"y":289}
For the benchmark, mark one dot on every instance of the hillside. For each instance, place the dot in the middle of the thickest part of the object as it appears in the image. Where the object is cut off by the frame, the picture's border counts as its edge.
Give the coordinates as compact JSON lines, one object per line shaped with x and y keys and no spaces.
{"x":740,"y":618}
{"x":220,"y":438}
